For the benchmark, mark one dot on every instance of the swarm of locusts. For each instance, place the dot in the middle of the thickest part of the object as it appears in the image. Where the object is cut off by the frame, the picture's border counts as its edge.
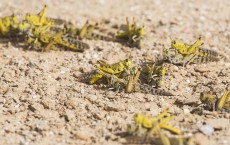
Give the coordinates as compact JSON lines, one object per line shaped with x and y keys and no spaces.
{"x":122,"y":76}
{"x":149,"y":78}
{"x":42,"y":33}
{"x":146,"y":129}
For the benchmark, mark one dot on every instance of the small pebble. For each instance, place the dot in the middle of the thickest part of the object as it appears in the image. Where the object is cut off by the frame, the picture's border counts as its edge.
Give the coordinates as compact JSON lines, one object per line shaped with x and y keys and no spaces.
{"x":82,"y":135}
{"x":114,"y":107}
{"x":92,"y":97}
{"x":206,"y":129}
{"x":186,"y":110}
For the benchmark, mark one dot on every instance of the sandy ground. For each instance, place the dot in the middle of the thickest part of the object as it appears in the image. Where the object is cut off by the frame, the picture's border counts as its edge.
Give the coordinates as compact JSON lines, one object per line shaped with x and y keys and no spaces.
{"x":42,"y":100}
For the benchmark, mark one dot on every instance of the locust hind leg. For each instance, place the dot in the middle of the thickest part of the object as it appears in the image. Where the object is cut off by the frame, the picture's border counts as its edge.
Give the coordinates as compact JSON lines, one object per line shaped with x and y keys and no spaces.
{"x":49,"y":47}
{"x":83,"y":30}
{"x":223,"y":99}
{"x":129,"y":86}
{"x":189,"y":58}
{"x":193,"y":48}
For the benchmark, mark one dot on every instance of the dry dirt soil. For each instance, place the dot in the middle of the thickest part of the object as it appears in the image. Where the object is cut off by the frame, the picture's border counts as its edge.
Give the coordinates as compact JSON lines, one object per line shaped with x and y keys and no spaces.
{"x":42,"y":100}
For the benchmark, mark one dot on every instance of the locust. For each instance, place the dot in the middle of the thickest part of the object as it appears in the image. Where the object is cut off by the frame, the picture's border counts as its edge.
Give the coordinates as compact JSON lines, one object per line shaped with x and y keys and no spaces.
{"x":42,"y":38}
{"x":86,"y":32}
{"x":152,"y":126}
{"x":38,"y":19}
{"x":138,"y":136}
{"x":7,"y":25}
{"x":125,"y":81}
{"x":41,"y":32}
{"x":212,"y":103}
{"x":131,"y":83}
{"x":57,"y":40}
{"x":141,"y":135}
{"x":133,"y":80}
{"x":48,"y":40}
{"x":183,"y":48}
{"x":173,"y":56}
{"x":132,"y":34}
{"x":159,"y":120}
{"x":181,"y":53}
{"x":208,"y":100}
{"x":155,"y":75}
{"x":224,"y":102}
{"x":113,"y":69}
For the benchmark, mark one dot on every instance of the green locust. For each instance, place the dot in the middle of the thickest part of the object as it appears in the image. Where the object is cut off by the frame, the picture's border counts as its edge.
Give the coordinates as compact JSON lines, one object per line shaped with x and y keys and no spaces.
{"x":208,"y":100}
{"x":173,"y":56}
{"x":38,"y":19}
{"x":152,"y":126}
{"x":159,"y":120}
{"x":86,"y":32}
{"x":138,"y":135}
{"x":126,"y":81}
{"x":40,"y":37}
{"x":132,"y":34}
{"x":56,"y":39}
{"x":183,"y":48}
{"x":83,"y":32}
{"x":7,"y":25}
{"x":113,"y":69}
{"x":40,"y":32}
{"x":131,"y":83}
{"x":212,"y":103}
{"x":155,"y":75}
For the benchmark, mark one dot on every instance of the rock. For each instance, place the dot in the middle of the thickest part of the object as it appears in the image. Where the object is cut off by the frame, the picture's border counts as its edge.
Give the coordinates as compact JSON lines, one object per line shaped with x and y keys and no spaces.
{"x":110,"y":95}
{"x":50,"y":115}
{"x":35,"y":107}
{"x":41,"y":125}
{"x":202,"y":69}
{"x":82,"y":135}
{"x":92,"y":97}
{"x":114,"y":107}
{"x":186,"y":110}
{"x":206,"y":129}
{"x":98,"y":115}
{"x":48,"y":103}
{"x":69,"y":115}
